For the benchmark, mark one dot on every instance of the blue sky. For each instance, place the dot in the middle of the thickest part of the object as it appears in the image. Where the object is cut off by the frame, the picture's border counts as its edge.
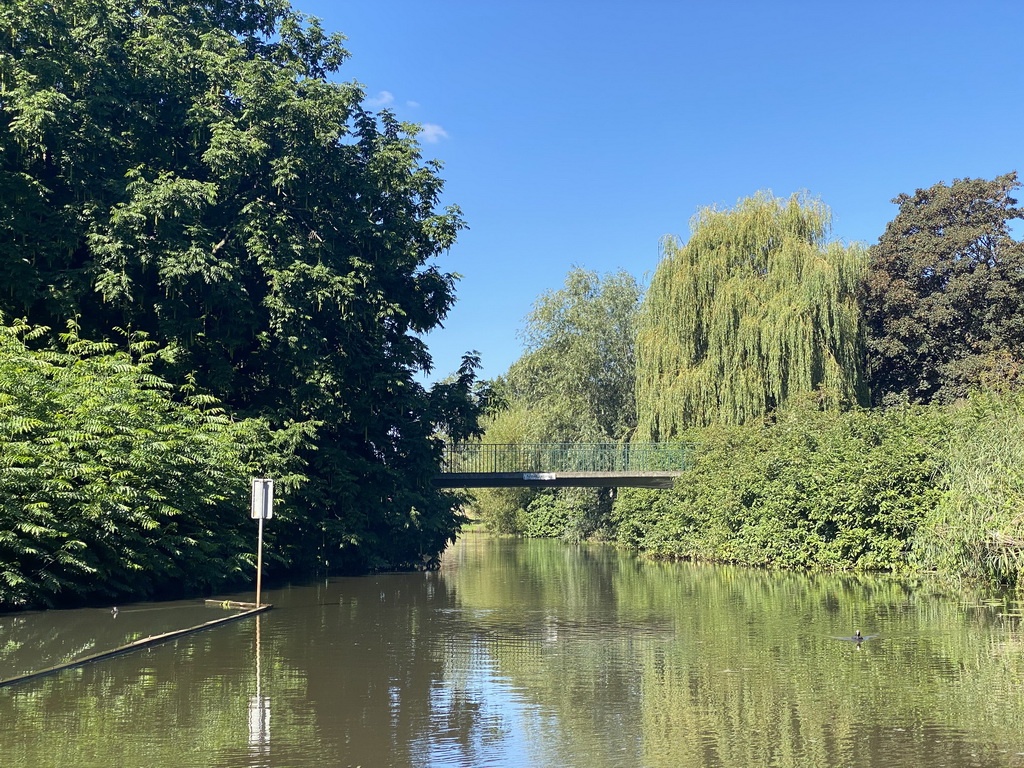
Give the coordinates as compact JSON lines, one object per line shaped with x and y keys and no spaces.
{"x":579,"y":133}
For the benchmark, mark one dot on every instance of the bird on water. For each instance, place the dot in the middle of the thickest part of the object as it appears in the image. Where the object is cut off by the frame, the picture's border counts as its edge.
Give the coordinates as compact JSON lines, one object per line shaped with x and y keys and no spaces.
{"x":857,"y":638}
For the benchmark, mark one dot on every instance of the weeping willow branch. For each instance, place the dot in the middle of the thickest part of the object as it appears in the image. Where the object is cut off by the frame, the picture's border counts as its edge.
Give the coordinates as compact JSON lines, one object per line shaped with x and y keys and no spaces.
{"x":757,"y":307}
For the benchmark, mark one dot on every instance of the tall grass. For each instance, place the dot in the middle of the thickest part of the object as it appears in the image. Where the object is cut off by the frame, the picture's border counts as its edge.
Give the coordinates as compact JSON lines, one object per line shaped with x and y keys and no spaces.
{"x":977,"y":529}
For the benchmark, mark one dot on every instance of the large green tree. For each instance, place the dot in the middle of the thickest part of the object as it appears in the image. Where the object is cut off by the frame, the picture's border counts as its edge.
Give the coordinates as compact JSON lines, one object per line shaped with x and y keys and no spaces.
{"x":186,"y":169}
{"x":944,"y":293}
{"x":575,"y":382}
{"x":757,"y":307}
{"x":578,"y":368}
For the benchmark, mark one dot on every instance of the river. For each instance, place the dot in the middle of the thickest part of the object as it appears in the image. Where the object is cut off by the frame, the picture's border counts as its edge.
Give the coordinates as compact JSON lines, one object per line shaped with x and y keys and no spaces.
{"x":535,"y":653}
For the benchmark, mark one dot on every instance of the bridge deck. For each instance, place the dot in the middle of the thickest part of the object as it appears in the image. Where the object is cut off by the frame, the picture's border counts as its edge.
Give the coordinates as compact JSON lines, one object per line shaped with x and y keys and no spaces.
{"x":562,"y":465}
{"x":555,"y":479}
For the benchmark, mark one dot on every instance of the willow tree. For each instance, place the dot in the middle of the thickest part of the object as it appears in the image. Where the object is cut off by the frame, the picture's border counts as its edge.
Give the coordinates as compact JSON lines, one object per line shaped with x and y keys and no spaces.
{"x":756,"y":308}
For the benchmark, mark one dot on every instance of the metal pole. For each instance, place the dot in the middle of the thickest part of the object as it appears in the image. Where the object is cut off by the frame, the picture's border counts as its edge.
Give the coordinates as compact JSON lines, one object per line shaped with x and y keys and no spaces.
{"x":259,"y":564}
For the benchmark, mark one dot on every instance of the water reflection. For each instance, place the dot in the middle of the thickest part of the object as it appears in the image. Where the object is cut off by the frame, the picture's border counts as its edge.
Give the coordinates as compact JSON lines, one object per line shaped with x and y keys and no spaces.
{"x":36,"y":640}
{"x":532,"y":653}
{"x":259,"y":712}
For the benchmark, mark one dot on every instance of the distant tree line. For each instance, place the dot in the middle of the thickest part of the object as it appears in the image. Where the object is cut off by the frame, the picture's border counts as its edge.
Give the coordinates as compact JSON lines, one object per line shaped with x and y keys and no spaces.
{"x":184,"y":176}
{"x":851,"y":407}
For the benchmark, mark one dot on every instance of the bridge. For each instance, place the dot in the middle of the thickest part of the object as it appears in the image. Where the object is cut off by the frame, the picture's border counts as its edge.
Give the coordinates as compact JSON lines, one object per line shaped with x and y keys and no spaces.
{"x":561,"y":465}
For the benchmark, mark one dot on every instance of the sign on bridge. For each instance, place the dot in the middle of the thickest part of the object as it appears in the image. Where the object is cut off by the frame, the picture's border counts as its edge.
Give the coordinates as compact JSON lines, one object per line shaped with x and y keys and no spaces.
{"x":501,"y":465}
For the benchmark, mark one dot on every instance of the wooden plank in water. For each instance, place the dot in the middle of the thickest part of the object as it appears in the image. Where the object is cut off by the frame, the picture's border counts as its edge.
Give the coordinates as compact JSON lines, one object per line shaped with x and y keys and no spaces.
{"x":227,"y":604}
{"x":141,"y":643}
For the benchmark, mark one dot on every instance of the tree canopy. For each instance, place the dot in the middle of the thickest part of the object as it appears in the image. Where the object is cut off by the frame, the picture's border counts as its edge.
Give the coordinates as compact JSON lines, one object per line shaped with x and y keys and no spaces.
{"x":186,"y":170}
{"x":944,"y":293}
{"x":575,"y":382}
{"x":578,"y":367}
{"x":757,"y":307}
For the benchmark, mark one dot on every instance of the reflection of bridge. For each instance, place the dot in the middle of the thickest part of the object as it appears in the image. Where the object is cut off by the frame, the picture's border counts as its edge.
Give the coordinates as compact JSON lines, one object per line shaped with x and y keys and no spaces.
{"x":591,"y":465}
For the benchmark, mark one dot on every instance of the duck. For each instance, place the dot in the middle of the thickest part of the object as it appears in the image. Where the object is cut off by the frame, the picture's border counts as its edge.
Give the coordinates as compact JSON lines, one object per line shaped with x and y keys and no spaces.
{"x":856,"y":637}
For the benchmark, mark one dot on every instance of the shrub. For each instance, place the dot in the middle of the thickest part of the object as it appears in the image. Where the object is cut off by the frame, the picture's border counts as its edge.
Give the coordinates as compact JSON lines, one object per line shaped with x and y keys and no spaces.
{"x":812,"y":489}
{"x":111,"y":484}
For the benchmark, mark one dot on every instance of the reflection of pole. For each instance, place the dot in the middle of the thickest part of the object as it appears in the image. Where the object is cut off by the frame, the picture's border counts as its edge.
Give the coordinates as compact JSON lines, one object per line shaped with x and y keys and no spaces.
{"x":259,"y":692}
{"x":259,"y":712}
{"x":259,"y":579}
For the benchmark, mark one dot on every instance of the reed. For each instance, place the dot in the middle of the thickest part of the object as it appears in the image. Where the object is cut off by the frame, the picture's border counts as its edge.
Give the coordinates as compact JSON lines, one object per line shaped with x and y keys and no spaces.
{"x":976,"y":531}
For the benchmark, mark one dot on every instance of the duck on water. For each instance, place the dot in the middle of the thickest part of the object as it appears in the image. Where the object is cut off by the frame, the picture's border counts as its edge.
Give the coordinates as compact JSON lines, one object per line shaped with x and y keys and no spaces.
{"x":856,"y":637}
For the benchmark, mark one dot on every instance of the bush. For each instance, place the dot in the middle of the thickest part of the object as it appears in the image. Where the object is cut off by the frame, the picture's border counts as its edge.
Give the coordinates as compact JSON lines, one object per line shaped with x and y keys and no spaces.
{"x":574,"y":514}
{"x":813,"y":489}
{"x":112,"y":486}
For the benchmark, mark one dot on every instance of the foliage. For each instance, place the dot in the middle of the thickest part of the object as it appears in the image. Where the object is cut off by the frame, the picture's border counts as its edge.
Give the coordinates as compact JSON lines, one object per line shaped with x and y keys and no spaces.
{"x":943,"y":293}
{"x":578,"y":367}
{"x":503,"y":509}
{"x":573,"y":514}
{"x":575,"y":382}
{"x":977,"y":530}
{"x":814,"y":489}
{"x":755,"y":309}
{"x":187,"y":171}
{"x":111,"y":487}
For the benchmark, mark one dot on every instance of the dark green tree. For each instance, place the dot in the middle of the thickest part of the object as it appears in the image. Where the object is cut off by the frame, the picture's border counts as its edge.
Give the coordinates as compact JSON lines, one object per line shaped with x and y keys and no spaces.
{"x":185,"y":169}
{"x":943,"y":297}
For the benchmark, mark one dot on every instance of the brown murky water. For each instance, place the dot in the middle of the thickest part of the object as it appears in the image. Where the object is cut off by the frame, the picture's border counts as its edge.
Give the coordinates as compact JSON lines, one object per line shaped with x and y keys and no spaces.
{"x":533,"y":653}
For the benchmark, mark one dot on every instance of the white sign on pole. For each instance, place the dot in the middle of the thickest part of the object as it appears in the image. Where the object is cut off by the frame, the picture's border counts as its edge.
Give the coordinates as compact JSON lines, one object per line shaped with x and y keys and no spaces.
{"x":262,"y":499}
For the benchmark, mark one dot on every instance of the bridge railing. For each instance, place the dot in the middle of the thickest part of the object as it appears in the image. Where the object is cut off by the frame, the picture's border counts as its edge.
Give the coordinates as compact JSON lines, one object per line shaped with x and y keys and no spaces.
{"x":564,"y":457}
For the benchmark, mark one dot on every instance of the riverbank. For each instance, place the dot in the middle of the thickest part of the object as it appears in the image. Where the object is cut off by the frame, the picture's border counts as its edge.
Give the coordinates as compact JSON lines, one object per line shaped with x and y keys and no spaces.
{"x":917,"y":489}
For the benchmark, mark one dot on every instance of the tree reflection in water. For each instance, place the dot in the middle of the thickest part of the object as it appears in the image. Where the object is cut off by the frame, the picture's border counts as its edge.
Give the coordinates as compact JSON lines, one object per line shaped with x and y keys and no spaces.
{"x":538,"y":653}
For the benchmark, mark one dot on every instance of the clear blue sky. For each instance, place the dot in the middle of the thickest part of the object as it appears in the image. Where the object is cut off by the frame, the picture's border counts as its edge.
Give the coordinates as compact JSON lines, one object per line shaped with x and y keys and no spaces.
{"x":578,"y":133}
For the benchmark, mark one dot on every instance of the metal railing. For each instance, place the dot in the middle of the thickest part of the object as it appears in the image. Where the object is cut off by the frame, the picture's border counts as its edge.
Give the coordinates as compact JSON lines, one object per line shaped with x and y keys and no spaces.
{"x":565,"y":457}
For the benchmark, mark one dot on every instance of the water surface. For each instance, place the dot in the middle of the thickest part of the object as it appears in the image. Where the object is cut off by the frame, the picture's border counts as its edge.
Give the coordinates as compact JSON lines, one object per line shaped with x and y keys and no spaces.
{"x":536,"y":653}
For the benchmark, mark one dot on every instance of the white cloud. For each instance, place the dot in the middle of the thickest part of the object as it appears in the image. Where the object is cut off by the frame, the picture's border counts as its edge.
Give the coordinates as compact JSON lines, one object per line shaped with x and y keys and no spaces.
{"x":382,"y":99}
{"x":432,"y":133}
